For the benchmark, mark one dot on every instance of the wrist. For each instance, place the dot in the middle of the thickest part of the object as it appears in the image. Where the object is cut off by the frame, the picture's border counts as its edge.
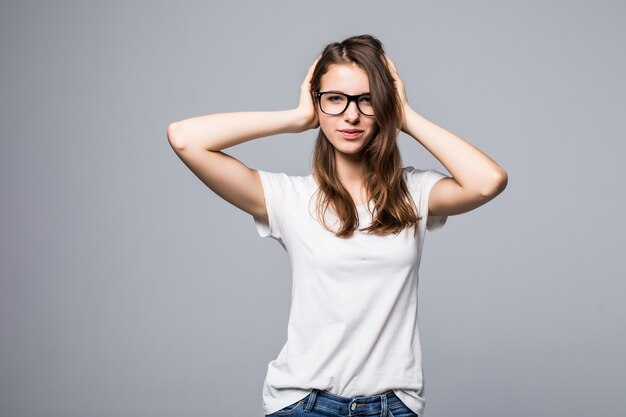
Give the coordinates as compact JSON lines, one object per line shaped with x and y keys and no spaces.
{"x":407,"y":113}
{"x":301,"y":120}
{"x":289,"y":120}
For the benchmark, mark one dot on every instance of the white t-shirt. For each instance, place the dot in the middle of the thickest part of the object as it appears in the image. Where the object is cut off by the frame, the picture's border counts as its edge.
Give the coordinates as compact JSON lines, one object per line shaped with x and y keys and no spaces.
{"x":353,"y":326}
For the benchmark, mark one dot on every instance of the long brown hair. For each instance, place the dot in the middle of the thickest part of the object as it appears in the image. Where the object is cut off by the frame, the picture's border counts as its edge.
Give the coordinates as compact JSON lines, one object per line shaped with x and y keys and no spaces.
{"x":394,"y":209}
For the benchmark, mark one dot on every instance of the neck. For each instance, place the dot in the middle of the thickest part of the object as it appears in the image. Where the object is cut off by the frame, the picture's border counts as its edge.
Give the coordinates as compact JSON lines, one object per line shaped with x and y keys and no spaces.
{"x":350,"y":169}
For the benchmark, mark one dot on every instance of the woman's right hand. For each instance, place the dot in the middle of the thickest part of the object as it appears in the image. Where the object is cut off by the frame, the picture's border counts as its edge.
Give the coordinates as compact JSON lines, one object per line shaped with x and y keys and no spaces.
{"x":306,"y":106}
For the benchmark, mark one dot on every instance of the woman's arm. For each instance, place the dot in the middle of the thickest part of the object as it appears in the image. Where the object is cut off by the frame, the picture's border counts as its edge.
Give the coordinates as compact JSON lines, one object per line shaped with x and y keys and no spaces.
{"x":476,"y":178}
{"x":215,"y":132}
{"x":199,"y":142}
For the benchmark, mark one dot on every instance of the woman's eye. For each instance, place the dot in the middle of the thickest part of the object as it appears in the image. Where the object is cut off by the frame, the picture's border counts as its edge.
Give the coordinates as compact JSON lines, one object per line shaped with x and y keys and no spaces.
{"x":334,"y":98}
{"x":366,"y":99}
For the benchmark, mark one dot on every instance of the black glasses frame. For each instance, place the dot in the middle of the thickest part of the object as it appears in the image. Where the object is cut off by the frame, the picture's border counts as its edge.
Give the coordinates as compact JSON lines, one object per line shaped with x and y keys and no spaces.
{"x":351,"y":98}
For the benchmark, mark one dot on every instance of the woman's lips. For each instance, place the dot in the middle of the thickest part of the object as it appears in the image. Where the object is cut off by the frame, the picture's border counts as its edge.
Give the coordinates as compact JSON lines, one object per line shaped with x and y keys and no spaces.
{"x":350,"y":135}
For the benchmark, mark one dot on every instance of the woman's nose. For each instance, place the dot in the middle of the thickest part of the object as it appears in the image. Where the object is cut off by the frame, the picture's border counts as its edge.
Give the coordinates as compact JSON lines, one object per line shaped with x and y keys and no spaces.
{"x":352,"y":112}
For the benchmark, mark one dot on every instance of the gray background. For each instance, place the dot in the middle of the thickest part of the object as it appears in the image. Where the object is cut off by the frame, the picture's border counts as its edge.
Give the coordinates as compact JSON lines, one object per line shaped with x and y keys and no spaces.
{"x":128,"y":288}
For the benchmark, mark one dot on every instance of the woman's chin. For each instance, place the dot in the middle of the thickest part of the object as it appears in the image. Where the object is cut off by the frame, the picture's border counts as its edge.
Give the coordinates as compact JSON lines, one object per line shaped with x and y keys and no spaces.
{"x":350,"y":148}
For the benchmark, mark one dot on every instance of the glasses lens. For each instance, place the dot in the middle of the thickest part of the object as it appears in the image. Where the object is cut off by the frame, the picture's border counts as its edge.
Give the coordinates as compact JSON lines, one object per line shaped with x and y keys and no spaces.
{"x":365,"y":105}
{"x":335,"y":103}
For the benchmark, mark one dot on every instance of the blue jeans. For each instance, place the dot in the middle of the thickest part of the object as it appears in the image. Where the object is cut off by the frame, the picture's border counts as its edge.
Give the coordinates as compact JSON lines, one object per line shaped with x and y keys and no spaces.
{"x":325,"y":404}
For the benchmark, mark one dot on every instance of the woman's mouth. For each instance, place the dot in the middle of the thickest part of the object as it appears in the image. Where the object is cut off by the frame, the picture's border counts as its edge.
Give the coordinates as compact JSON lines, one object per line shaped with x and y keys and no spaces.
{"x":350,"y":134}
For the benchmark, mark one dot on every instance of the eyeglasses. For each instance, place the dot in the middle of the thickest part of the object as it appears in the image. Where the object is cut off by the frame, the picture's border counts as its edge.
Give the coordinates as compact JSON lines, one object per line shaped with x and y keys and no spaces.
{"x":334,"y":103}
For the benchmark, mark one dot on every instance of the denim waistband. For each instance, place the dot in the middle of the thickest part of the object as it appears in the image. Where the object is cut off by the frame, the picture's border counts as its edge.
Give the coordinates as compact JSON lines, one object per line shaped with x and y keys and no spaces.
{"x":359,"y":405}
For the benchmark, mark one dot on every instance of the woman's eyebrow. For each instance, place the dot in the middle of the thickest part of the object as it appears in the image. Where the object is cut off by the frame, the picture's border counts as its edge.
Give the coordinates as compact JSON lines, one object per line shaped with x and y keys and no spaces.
{"x":338,"y":91}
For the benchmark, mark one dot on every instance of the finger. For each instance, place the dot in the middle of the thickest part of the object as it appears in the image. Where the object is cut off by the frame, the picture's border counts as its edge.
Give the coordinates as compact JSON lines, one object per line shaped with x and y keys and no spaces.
{"x":316,"y":59}
{"x":309,"y":73}
{"x":391,"y":64}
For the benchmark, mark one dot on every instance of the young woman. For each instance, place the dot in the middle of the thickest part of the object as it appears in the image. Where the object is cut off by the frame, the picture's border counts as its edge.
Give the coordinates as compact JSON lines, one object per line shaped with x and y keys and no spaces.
{"x":354,"y":228}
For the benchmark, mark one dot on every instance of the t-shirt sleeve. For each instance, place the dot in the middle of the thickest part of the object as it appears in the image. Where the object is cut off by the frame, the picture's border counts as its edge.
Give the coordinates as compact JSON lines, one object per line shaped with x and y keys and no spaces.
{"x":421,"y":182}
{"x":274,"y":187}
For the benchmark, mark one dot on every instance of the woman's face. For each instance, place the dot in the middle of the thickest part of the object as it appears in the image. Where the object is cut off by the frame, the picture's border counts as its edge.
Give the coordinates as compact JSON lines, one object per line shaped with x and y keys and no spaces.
{"x":350,"y":79}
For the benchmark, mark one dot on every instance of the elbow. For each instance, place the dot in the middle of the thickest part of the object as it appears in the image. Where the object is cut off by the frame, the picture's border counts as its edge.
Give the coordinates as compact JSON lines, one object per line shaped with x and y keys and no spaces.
{"x":173,"y":136}
{"x":496,"y":185}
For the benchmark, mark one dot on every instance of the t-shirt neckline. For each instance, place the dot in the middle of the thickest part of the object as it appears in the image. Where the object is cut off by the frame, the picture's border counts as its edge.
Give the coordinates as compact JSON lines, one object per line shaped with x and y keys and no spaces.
{"x":359,"y":207}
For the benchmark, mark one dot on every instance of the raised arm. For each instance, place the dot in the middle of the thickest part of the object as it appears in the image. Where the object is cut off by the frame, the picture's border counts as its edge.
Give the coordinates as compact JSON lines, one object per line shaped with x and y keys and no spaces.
{"x":199,"y":142}
{"x":476,"y":178}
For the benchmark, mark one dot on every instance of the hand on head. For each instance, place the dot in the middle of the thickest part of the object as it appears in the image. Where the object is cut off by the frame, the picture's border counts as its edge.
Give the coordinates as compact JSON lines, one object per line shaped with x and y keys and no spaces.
{"x":400,"y":89}
{"x":306,"y":104}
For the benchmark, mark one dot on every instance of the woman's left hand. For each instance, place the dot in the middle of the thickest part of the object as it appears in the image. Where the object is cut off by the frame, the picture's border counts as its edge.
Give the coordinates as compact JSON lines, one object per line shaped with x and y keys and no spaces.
{"x":400,"y":90}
